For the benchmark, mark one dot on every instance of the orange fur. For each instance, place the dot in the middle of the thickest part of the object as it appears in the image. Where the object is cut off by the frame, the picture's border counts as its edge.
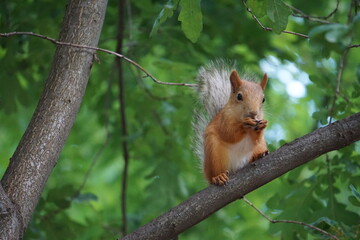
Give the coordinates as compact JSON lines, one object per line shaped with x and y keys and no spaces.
{"x":236,"y":129}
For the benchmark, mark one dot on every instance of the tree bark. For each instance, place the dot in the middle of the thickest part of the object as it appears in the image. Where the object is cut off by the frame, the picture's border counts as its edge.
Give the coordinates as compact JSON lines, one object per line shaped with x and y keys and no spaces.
{"x":44,"y":138}
{"x":198,"y":207}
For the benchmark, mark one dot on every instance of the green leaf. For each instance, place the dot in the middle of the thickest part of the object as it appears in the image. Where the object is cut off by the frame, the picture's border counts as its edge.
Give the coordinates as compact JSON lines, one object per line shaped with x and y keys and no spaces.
{"x":191,"y":19}
{"x":278,"y":13}
{"x":86,"y":197}
{"x":258,"y":7}
{"x":61,"y":196}
{"x":321,"y":116}
{"x":355,"y":192}
{"x":337,"y":33}
{"x":2,"y":52}
{"x":323,"y":221}
{"x":317,"y":31}
{"x":166,"y":12}
{"x":329,"y":37}
{"x":356,"y":19}
{"x":354,"y":201}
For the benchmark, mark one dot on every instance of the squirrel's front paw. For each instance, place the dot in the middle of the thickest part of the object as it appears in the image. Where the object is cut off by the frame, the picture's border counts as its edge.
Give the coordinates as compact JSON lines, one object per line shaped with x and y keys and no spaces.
{"x":250,"y":122}
{"x":257,"y":125}
{"x":261,"y":124}
{"x":220,"y":179}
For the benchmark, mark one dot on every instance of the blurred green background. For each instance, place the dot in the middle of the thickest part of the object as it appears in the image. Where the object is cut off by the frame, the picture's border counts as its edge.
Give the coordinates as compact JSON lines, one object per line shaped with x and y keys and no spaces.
{"x":82,"y":197}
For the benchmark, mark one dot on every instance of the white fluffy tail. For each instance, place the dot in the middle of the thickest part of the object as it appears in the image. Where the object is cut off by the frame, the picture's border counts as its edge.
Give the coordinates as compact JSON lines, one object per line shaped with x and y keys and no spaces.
{"x":214,"y":92}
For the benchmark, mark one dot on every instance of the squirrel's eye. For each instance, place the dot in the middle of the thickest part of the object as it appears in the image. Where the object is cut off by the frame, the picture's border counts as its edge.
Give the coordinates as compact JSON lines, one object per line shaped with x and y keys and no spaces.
{"x":263,"y":99}
{"x":239,"y":97}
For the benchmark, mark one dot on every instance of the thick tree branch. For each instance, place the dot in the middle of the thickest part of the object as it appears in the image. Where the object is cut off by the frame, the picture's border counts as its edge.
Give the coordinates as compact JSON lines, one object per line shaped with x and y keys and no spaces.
{"x":10,"y":218}
{"x":198,"y":207}
{"x":44,"y":138}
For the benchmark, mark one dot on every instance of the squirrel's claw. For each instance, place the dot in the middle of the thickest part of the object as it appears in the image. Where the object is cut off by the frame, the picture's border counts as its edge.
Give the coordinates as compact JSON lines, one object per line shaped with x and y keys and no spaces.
{"x":261,"y":124}
{"x":220,"y":179}
{"x":256,"y":157}
{"x":250,"y":122}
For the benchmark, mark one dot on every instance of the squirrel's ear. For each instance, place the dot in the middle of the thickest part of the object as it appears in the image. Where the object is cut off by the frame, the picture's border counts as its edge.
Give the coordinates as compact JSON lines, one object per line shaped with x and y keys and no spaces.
{"x":264,"y":81}
{"x":235,"y":80}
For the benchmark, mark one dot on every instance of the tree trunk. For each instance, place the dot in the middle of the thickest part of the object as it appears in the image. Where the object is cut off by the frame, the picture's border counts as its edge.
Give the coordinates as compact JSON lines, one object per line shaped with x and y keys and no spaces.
{"x":40,"y":146}
{"x":198,"y":207}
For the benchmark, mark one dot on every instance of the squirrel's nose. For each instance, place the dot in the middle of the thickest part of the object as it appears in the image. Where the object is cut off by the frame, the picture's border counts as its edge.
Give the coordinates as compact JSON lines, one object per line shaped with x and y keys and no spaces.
{"x":252,"y":114}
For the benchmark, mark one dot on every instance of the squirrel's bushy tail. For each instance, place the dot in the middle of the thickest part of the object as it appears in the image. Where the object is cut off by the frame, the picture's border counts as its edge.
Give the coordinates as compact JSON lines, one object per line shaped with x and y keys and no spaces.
{"x":213,"y":92}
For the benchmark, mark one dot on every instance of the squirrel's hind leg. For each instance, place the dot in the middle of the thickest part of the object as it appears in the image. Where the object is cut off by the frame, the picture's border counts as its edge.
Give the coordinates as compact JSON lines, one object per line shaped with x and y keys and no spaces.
{"x":216,"y":161}
{"x":259,"y":151}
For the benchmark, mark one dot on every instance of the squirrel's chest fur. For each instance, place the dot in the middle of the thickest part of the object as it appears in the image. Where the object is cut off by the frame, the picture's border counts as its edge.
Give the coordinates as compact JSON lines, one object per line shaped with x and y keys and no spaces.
{"x":240,"y":153}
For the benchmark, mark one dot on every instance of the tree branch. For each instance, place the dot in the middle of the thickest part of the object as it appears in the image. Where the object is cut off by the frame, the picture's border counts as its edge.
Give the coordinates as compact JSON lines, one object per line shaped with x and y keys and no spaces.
{"x":201,"y":205}
{"x":100,"y":50}
{"x":289,"y":221}
{"x":315,"y":18}
{"x":270,"y":29}
{"x":338,"y":83}
{"x":44,"y":138}
{"x":10,"y":218}
{"x":354,"y":46}
{"x":121,"y":83}
{"x":300,"y":14}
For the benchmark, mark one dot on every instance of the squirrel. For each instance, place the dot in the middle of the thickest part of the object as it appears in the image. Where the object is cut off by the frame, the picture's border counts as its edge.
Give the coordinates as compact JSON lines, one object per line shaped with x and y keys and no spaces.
{"x":229,"y":129}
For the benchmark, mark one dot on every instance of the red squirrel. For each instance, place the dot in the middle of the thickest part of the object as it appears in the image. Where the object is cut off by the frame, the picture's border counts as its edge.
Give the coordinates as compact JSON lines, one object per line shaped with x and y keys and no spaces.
{"x":235,"y":134}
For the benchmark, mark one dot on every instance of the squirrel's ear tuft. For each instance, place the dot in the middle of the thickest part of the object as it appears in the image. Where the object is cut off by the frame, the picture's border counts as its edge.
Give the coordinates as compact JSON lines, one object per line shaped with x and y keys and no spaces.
{"x":264,"y":81}
{"x":235,"y":80}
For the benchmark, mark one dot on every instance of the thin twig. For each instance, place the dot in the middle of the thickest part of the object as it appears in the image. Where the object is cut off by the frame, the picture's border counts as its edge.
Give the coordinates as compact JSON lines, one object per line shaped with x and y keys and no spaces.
{"x":82,"y":185}
{"x":124,"y":134}
{"x":330,"y":187}
{"x":333,"y":12}
{"x":160,"y":122}
{"x":340,"y":70}
{"x":354,"y":46}
{"x":289,"y":221}
{"x":129,"y":19}
{"x":300,"y":14}
{"x":140,"y":81}
{"x":100,"y":50}
{"x":94,"y":159}
{"x":338,"y":83}
{"x":107,"y":139}
{"x":92,"y":164}
{"x":315,"y":18}
{"x":270,"y":29}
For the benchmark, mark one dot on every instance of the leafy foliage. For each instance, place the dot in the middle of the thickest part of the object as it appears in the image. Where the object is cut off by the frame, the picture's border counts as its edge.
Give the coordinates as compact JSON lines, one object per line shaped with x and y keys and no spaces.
{"x":163,"y":170}
{"x":166,"y":12}
{"x":191,"y":18}
{"x":278,"y":13}
{"x":276,"y":10}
